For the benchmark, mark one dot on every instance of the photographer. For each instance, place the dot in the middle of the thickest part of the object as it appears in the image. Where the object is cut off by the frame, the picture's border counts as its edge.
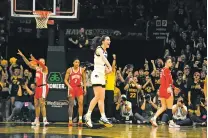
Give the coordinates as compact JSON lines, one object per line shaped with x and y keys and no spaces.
{"x":179,"y":83}
{"x":148,"y":87}
{"x":125,"y":109}
{"x":147,"y":110}
{"x":24,"y":98}
{"x":180,"y":113}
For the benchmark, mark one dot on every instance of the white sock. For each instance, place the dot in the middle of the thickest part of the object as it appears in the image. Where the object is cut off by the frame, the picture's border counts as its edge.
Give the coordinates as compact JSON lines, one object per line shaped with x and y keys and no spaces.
{"x":44,"y":119}
{"x":103,"y":115}
{"x":155,"y":118}
{"x":89,"y":113}
{"x":80,"y":117}
{"x":70,"y":118}
{"x":37,"y":119}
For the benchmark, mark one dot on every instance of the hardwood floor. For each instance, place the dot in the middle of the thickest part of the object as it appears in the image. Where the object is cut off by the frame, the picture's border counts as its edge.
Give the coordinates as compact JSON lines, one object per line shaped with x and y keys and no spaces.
{"x":61,"y":130}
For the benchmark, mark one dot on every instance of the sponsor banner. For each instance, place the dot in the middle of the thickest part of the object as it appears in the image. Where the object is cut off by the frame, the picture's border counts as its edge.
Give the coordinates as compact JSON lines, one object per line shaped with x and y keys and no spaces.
{"x":57,"y":97}
{"x":123,"y":33}
{"x":55,"y":80}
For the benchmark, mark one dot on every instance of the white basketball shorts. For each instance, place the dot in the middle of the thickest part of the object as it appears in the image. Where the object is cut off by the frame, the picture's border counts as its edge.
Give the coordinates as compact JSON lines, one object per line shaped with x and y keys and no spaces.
{"x":98,"y":79}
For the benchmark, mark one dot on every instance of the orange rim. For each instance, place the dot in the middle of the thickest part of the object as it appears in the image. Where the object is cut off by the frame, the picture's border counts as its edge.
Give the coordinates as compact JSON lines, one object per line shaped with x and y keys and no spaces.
{"x":42,"y":14}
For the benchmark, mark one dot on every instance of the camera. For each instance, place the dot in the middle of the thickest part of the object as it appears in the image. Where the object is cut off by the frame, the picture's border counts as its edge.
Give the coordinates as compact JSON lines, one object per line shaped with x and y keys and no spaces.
{"x":181,"y":101}
{"x":22,"y":81}
{"x":123,"y":99}
{"x":147,"y":97}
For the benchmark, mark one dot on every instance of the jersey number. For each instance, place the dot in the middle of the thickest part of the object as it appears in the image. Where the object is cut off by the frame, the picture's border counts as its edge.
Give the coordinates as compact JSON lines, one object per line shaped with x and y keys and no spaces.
{"x":132,"y":95}
{"x":75,"y":80}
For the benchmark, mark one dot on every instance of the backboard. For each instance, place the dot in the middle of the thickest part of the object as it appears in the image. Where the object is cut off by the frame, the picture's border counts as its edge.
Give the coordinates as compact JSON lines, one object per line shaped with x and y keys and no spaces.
{"x":61,"y":9}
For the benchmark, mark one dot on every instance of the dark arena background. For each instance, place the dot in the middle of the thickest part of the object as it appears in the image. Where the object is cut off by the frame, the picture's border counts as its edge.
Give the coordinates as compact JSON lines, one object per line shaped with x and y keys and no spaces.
{"x":143,"y":33}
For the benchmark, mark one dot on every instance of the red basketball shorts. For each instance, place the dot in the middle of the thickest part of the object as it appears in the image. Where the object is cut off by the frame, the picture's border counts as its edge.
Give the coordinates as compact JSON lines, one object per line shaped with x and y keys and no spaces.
{"x":75,"y":92}
{"x":164,"y":94}
{"x":41,"y":92}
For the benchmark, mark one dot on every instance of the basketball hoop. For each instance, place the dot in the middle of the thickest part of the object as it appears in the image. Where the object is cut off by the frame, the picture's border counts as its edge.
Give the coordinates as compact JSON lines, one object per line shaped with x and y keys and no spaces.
{"x":42,"y":18}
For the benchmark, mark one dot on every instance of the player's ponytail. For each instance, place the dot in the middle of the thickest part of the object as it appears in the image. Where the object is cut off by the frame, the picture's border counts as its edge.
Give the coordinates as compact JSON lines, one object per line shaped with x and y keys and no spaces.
{"x":95,"y":42}
{"x":103,"y":38}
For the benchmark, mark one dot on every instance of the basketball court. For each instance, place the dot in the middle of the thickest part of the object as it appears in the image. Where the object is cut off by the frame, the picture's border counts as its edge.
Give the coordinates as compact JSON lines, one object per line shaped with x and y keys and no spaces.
{"x":46,"y":12}
{"x":61,"y":130}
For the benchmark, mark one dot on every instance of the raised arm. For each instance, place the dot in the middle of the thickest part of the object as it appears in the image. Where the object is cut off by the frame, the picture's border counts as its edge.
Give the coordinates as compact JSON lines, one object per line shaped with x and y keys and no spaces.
{"x":74,"y":42}
{"x":114,"y":63}
{"x":26,"y":60}
{"x":10,"y":70}
{"x":100,"y":52}
{"x":21,"y":71}
{"x":39,"y":63}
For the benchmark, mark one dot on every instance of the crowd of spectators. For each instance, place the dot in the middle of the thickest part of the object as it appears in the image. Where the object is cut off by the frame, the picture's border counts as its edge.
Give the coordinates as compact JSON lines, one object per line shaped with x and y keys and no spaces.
{"x":136,"y":92}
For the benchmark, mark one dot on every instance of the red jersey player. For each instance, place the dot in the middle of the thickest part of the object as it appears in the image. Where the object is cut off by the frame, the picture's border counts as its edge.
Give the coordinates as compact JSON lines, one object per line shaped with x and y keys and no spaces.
{"x":166,"y":93}
{"x":75,"y":80}
{"x":42,"y":88}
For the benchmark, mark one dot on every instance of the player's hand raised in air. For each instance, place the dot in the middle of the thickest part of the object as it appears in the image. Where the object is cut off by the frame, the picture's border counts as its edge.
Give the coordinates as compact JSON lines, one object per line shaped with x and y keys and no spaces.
{"x":32,"y":57}
{"x":20,"y":53}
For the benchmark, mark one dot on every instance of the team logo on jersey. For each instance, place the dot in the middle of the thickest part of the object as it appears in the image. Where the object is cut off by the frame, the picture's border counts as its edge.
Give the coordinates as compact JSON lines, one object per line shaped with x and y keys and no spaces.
{"x":55,"y":81}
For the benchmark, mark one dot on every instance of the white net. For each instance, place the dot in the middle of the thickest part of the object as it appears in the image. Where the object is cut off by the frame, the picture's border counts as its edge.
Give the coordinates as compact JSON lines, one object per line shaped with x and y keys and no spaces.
{"x":42,"y":19}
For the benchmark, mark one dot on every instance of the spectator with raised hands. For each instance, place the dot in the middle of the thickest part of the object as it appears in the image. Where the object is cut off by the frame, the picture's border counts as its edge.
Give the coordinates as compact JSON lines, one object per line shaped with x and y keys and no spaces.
{"x":195,"y":92}
{"x":179,"y":83}
{"x":127,"y":71}
{"x":201,"y":45}
{"x":133,"y":89}
{"x":120,"y":82}
{"x":148,"y":87}
{"x":167,"y":54}
{"x":16,"y":74}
